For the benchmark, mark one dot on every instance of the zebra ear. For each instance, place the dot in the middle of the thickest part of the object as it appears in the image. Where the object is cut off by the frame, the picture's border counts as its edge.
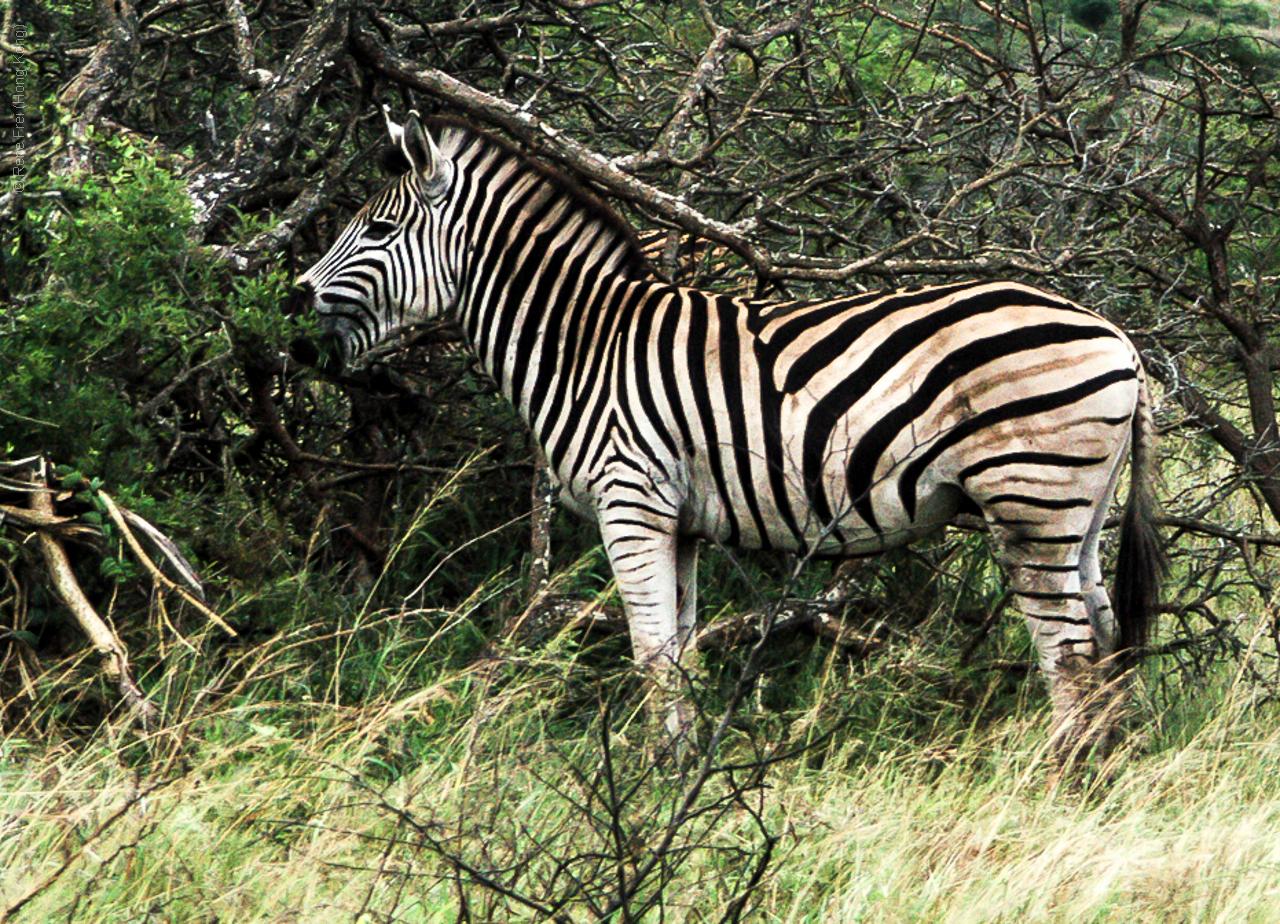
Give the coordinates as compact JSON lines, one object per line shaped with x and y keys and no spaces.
{"x":432,"y":168}
{"x":395,"y":131}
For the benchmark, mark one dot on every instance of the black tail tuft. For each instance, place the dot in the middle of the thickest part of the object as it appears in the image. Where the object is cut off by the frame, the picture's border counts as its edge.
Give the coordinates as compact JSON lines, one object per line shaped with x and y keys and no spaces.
{"x":1140,"y":564}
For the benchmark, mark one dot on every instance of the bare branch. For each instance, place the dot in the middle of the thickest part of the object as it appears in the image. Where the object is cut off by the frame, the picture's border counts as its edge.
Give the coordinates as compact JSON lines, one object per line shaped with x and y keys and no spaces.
{"x":115,"y":656}
{"x":158,"y":576}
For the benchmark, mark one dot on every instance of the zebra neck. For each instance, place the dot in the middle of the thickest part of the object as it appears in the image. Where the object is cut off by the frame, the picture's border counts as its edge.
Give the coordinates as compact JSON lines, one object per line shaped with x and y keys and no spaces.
{"x":533,"y":311}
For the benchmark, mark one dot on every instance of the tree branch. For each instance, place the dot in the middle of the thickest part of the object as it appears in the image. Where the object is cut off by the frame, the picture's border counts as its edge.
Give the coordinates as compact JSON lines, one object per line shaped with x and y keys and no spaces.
{"x":99,"y":82}
{"x":544,"y":138}
{"x":275,"y":117}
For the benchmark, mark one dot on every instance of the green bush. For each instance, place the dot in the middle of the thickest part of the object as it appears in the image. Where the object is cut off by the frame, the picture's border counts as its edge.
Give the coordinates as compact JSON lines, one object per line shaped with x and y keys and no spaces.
{"x":114,"y":308}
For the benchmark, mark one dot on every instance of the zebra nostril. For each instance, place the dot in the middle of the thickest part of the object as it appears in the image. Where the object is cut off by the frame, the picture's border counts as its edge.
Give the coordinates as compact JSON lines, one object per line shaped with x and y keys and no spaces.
{"x":298,"y":301}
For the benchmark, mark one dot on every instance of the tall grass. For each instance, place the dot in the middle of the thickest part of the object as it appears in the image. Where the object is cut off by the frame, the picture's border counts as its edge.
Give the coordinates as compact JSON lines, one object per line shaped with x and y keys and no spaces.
{"x":365,"y":763}
{"x":441,"y":786}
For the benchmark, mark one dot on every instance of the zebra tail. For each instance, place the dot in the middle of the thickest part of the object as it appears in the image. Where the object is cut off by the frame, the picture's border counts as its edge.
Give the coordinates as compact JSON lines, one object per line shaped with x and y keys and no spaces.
{"x":1140,"y":563}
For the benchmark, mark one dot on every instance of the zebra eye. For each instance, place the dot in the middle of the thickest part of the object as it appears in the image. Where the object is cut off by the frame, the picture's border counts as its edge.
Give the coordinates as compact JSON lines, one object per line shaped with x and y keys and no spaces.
{"x":380,"y":230}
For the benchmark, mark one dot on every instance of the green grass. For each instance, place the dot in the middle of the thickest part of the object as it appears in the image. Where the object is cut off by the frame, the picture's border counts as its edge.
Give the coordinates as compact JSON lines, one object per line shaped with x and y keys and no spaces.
{"x":252,"y":808}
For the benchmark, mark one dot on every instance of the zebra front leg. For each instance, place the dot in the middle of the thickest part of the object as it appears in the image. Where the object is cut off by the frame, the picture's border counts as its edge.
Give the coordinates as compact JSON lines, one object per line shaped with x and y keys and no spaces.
{"x":682,"y":714}
{"x":642,"y":551}
{"x":687,"y":593}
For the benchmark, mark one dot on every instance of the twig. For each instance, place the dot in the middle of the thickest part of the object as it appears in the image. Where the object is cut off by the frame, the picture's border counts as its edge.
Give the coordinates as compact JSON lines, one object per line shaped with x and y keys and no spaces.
{"x":1204,"y":527}
{"x":821,"y":617}
{"x":156,"y":574}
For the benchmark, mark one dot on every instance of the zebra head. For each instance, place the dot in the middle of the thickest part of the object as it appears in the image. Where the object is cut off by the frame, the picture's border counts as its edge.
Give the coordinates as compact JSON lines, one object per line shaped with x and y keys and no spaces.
{"x":385,"y":271}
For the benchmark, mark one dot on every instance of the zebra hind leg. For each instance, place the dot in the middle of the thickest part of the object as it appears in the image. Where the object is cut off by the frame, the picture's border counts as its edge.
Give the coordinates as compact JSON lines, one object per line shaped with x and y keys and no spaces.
{"x":1109,"y":705}
{"x":1055,"y":581}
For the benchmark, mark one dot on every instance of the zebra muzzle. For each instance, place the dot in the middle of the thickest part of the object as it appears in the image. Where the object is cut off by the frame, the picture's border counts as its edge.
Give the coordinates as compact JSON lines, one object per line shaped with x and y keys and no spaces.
{"x":305,"y":351}
{"x":323,"y":354}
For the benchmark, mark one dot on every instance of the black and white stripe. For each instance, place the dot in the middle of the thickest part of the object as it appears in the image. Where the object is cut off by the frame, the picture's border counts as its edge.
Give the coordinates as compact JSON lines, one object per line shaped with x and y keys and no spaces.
{"x":846,"y":426}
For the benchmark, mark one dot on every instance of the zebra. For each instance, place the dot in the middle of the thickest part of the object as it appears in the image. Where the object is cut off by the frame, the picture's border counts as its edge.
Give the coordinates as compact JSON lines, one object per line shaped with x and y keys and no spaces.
{"x":839,"y":427}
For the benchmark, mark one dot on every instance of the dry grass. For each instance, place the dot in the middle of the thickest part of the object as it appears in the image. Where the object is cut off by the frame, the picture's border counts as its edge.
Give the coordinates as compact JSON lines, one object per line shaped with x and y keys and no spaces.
{"x":277,"y":812}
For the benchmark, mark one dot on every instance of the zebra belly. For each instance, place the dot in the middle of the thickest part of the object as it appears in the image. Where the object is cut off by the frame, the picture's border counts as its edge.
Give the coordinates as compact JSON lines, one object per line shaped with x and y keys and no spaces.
{"x":790,"y":520}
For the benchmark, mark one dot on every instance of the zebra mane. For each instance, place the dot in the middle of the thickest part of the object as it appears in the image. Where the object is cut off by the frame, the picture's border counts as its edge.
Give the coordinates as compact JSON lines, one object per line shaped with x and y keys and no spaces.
{"x":393,"y":161}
